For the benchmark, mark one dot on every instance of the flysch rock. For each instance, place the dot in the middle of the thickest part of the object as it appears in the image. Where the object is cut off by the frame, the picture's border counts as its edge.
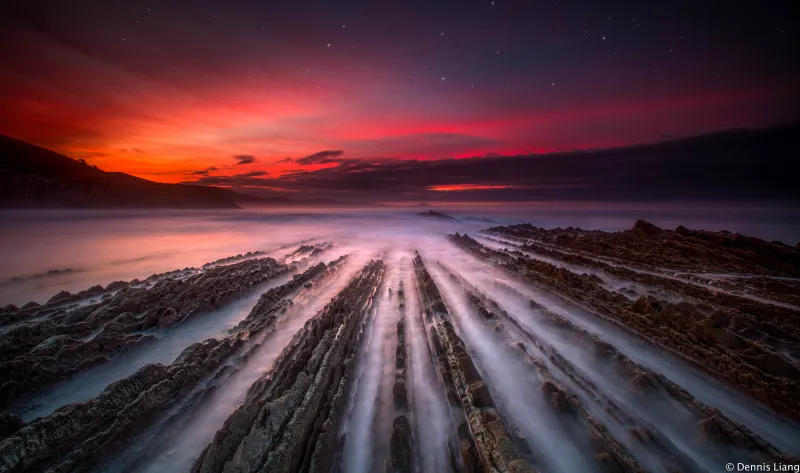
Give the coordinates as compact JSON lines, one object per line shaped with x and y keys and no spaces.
{"x":747,"y":366}
{"x":402,"y":442}
{"x":40,"y":354}
{"x":608,"y":453}
{"x":736,"y":443}
{"x":487,"y":445}
{"x":290,"y":417}
{"x":83,"y":436}
{"x":681,"y":250}
{"x":773,"y":325}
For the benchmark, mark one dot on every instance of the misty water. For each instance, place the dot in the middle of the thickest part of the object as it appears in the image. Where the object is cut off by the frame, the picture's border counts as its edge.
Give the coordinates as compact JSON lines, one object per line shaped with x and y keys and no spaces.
{"x":101,"y":247}
{"x":104,"y":246}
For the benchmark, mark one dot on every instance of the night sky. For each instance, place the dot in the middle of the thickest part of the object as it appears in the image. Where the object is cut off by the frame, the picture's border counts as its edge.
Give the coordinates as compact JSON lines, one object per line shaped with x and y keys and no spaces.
{"x":318,"y":98}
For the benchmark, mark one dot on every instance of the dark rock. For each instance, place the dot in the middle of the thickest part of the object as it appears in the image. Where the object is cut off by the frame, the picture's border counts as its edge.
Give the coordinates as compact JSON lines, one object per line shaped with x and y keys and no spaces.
{"x":647,"y":227}
{"x":9,"y":424}
{"x":438,"y":215}
{"x":400,"y":396}
{"x":401,"y":442}
{"x":63,"y":295}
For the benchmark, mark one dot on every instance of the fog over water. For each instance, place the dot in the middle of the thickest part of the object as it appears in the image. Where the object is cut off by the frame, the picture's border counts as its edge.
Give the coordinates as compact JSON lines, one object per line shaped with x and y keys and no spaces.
{"x":101,"y":247}
{"x":104,"y":246}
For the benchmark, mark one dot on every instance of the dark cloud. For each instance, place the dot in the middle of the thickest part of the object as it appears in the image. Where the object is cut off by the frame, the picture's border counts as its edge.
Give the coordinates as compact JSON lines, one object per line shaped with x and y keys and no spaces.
{"x":322,"y":157}
{"x":423,"y":144}
{"x":287,"y":160}
{"x":204,"y":172}
{"x":731,"y":166}
{"x":245,"y":159}
{"x":248,"y":179}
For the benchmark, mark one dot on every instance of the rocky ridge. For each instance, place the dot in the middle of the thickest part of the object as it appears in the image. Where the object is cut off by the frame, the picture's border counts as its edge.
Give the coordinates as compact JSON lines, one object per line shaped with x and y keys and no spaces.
{"x":83,"y":436}
{"x":289,"y":420}
{"x":748,"y":366}
{"x":486,"y":445}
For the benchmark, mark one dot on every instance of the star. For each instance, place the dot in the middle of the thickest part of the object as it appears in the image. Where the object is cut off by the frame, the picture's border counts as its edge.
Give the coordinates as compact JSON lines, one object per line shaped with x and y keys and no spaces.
{"x":343,"y":26}
{"x":553,"y":84}
{"x":442,"y":34}
{"x":492,"y":3}
{"x":604,"y":38}
{"x":329,"y":45}
{"x":442,"y":78}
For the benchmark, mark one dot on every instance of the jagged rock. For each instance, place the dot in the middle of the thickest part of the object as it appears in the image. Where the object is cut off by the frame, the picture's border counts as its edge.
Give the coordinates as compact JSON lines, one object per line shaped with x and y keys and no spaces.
{"x":291,"y":423}
{"x":400,"y":395}
{"x":402,"y":453}
{"x":437,"y":215}
{"x":167,"y":303}
{"x":647,"y":227}
{"x":771,"y":378}
{"x":480,"y":451}
{"x":63,"y":295}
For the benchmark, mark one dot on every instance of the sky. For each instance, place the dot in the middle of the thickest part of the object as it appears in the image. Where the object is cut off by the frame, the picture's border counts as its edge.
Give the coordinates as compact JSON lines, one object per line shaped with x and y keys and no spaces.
{"x":272,"y":97}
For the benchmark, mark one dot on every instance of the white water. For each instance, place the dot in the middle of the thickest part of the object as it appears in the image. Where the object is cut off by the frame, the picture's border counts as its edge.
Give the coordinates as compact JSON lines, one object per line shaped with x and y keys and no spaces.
{"x":128,"y":246}
{"x":517,"y":387}
{"x":781,"y":433}
{"x":170,"y":344}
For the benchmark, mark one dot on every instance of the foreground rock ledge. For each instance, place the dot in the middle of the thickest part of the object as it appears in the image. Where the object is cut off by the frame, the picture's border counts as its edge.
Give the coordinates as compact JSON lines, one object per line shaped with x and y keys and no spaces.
{"x":747,"y":366}
{"x":290,"y":418}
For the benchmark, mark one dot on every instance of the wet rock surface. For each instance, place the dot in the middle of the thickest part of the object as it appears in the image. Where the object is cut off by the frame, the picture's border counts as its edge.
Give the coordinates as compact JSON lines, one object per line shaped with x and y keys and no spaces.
{"x":518,"y":350}
{"x":755,"y":369}
{"x":681,"y":249}
{"x":290,"y":418}
{"x":61,"y":343}
{"x":84,"y":436}
{"x":486,"y":445}
{"x":402,"y":442}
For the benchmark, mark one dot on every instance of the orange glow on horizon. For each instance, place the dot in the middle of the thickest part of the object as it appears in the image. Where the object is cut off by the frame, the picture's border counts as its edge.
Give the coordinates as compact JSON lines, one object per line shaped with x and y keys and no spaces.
{"x":466,"y":187}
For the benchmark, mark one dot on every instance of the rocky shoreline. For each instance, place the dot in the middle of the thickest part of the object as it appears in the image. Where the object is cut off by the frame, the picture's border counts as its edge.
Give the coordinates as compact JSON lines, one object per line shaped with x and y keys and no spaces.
{"x":514,"y":350}
{"x":83,"y":436}
{"x":749,"y":366}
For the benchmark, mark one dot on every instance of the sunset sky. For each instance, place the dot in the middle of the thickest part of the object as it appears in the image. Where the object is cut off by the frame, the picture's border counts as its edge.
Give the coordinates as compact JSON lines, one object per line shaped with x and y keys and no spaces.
{"x":243,"y":93}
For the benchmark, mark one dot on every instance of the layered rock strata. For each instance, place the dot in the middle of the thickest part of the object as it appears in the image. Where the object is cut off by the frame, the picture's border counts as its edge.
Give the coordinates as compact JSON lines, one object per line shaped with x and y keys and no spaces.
{"x":748,"y":366}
